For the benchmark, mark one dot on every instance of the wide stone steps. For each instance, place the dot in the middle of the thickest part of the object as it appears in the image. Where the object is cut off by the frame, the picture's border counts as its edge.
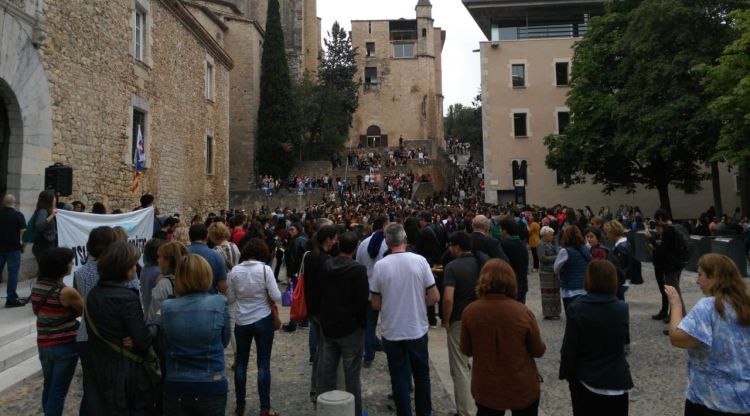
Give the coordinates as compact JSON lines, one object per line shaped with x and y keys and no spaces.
{"x":17,"y":351}
{"x":19,"y":359}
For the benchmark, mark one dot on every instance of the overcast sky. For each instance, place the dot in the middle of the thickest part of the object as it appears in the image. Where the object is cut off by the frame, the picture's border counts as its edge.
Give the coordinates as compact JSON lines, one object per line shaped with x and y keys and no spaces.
{"x":461,"y":78}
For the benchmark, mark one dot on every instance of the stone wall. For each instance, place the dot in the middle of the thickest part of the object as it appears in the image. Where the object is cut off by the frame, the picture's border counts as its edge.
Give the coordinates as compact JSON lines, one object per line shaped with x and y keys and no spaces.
{"x":244,"y":44}
{"x":95,"y":81}
{"x":256,"y":199}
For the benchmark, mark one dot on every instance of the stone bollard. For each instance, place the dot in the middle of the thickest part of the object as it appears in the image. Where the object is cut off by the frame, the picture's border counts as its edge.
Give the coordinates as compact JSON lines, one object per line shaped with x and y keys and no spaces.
{"x":335,"y":403}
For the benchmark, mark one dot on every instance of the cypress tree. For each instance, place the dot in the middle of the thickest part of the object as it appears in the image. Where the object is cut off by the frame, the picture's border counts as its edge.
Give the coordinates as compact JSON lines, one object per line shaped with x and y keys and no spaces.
{"x":278,"y":130}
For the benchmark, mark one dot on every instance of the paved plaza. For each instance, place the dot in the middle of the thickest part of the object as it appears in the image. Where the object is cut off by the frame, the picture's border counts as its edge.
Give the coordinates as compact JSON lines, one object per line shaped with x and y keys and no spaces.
{"x":659,"y":370}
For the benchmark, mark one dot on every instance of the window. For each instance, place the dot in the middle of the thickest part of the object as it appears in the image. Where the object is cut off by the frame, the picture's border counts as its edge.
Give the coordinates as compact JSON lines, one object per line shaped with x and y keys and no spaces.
{"x":561,"y":74}
{"x":140,"y":34}
{"x":424,"y":33}
{"x":371,"y":77}
{"x":139,"y":126}
{"x":209,"y":81}
{"x":403,"y":50}
{"x":519,"y":125}
{"x":558,"y":177}
{"x":563,"y":119}
{"x":370,"y":47}
{"x":209,"y":155}
{"x":518,"y":73}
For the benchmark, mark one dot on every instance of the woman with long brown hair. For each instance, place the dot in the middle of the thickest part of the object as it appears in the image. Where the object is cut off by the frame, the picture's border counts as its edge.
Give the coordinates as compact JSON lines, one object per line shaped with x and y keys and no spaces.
{"x":504,"y":375}
{"x":45,"y":223}
{"x":716,"y":333}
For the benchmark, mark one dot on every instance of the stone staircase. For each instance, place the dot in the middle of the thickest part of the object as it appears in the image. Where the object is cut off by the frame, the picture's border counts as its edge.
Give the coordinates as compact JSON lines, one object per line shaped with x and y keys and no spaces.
{"x":18,"y":351}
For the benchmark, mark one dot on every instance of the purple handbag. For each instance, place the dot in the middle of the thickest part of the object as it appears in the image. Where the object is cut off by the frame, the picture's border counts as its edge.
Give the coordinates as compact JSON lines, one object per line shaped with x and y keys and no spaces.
{"x":286,"y":297}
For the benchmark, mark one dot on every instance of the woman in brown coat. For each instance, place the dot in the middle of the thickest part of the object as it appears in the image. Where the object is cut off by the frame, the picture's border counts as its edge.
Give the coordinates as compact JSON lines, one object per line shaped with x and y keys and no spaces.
{"x":503,"y":337}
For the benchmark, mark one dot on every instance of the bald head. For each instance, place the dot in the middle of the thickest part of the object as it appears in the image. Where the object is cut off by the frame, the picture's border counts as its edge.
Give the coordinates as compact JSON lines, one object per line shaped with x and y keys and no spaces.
{"x":481,"y":224}
{"x":9,"y":200}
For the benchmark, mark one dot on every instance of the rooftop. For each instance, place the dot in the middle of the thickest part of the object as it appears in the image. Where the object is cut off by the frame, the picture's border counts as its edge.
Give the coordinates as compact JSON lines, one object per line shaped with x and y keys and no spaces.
{"x":529,"y":12}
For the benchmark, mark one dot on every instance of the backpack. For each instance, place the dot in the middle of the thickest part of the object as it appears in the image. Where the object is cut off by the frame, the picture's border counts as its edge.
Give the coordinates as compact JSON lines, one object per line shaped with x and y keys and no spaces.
{"x":495,"y":229}
{"x":30,"y":235}
{"x":682,"y":245}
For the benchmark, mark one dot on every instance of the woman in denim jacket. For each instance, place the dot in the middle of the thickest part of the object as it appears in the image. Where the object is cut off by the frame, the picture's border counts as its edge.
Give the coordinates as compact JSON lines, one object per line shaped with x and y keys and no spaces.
{"x":252,"y":285}
{"x":196,"y":327}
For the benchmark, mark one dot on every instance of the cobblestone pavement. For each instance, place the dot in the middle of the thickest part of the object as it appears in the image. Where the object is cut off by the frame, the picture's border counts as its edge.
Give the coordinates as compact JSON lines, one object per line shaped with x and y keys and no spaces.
{"x":658,"y":369}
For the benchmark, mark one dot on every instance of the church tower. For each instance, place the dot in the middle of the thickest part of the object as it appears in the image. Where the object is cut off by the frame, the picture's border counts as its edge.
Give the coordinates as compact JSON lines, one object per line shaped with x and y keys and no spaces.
{"x":425,"y":32}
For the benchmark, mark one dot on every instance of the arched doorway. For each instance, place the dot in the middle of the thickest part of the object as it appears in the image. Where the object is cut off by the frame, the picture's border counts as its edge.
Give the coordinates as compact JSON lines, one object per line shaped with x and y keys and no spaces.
{"x":11,"y":134}
{"x":4,"y":148}
{"x":26,"y":135}
{"x":373,"y":138}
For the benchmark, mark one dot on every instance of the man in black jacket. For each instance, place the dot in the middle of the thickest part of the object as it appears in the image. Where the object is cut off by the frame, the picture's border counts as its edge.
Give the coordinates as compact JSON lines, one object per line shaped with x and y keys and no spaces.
{"x":343,"y":317}
{"x":667,"y":265}
{"x":480,"y":241}
{"x":430,"y":247}
{"x":518,"y":254}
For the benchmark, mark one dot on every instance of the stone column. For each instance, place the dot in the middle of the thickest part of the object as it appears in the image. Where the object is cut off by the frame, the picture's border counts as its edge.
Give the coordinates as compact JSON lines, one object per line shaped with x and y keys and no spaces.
{"x":335,"y":403}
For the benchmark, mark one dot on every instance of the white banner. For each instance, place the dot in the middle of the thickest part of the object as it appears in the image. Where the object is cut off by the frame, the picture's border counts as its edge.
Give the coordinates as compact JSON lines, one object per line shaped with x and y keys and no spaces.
{"x":73,"y":230}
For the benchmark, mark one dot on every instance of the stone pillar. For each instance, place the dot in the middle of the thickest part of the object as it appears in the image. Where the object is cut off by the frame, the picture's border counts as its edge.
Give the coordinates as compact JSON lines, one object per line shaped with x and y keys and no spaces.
{"x":335,"y":403}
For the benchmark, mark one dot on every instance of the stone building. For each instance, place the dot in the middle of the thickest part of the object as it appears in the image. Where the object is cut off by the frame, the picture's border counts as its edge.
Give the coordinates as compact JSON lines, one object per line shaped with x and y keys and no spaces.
{"x":525,"y":73}
{"x":400,"y":66}
{"x":301,"y":26}
{"x":78,"y":79}
{"x":241,"y":34}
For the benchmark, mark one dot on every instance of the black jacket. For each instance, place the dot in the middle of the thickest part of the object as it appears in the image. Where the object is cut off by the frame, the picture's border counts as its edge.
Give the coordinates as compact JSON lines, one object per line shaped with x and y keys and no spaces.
{"x":428,"y":244}
{"x":487,"y":245}
{"x":294,"y":252}
{"x":344,"y":293}
{"x":593,"y":349}
{"x":314,"y":273}
{"x":665,"y":250}
{"x":122,"y":384}
{"x":518,"y":255}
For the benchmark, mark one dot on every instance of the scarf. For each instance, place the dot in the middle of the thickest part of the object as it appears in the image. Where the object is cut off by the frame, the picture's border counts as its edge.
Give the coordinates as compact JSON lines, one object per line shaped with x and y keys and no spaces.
{"x":375,"y":242}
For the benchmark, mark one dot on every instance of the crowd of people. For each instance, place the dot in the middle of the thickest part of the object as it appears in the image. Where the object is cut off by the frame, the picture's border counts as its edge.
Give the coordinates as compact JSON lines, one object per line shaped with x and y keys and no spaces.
{"x":152,"y":336}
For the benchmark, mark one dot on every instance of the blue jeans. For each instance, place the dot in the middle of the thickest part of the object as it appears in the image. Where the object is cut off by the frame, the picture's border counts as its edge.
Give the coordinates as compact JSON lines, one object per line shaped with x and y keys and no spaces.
{"x":13,"y":258}
{"x":262,"y":331}
{"x":195,"y":405}
{"x":409,"y":359}
{"x":371,"y":339}
{"x":58,"y":366}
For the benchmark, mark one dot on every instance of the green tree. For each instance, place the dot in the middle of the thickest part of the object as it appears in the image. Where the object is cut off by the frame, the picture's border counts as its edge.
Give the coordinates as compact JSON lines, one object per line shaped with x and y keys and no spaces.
{"x":729,"y":81}
{"x":305,"y":95}
{"x":337,"y":94}
{"x":465,"y":123}
{"x":640,"y":114}
{"x":278,"y":125}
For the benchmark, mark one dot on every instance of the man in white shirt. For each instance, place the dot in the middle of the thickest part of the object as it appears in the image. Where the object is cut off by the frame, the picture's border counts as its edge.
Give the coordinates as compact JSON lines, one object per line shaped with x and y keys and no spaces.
{"x":402,"y":286}
{"x":370,"y":251}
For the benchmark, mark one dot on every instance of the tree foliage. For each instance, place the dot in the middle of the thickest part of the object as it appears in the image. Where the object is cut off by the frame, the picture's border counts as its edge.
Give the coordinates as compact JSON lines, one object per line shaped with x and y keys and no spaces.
{"x":729,"y":81}
{"x":278,"y":126}
{"x":465,"y":123}
{"x":336,"y":96}
{"x":639,"y":111}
